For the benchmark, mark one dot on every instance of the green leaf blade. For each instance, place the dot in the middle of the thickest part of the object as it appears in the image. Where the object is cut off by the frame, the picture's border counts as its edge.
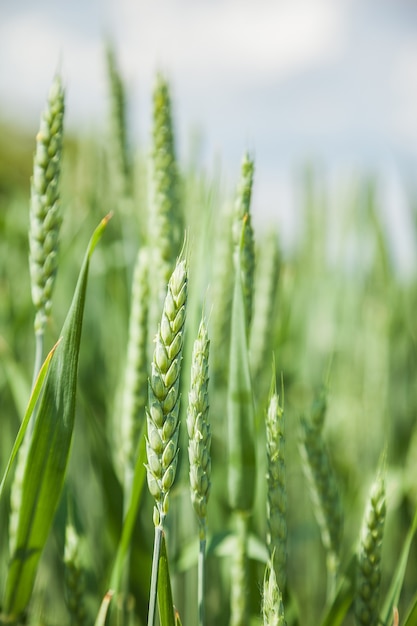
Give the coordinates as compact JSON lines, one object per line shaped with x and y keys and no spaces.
{"x":49,"y":451}
{"x":132,"y":511}
{"x":165,"y":603}
{"x":37,"y":388}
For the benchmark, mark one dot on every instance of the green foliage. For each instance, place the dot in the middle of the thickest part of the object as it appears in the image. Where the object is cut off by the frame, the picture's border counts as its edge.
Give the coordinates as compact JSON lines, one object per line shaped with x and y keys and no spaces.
{"x":334,"y":297}
{"x":48,"y":453}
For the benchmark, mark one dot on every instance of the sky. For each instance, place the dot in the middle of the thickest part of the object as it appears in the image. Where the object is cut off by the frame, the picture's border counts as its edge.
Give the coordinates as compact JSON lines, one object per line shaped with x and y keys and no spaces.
{"x":335,"y":82}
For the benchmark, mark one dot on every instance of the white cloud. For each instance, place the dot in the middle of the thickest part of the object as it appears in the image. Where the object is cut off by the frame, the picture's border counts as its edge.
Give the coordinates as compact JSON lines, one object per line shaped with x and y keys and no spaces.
{"x":404,"y":88}
{"x":33,"y":49}
{"x":233,"y":39}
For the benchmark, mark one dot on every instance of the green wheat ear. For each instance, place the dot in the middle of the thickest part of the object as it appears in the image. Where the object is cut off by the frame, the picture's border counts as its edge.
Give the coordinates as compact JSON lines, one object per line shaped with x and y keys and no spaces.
{"x":368,"y":577}
{"x":44,"y":226}
{"x":199,"y":428}
{"x":119,"y":154}
{"x":243,"y":236}
{"x":277,"y":492}
{"x":272,"y":605}
{"x":45,"y":214}
{"x":135,"y":390}
{"x":163,"y":395}
{"x":199,"y":450}
{"x":222,"y":295}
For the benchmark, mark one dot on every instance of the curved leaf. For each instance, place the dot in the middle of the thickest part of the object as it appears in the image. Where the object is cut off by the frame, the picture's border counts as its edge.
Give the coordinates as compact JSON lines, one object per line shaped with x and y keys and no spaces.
{"x":165,"y":604}
{"x":49,"y":451}
{"x":29,"y":410}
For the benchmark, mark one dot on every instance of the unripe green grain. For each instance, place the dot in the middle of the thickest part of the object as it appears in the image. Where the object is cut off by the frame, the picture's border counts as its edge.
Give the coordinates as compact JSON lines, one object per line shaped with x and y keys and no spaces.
{"x":44,"y":225}
{"x":198,"y":427}
{"x":118,"y":153}
{"x":272,"y":605}
{"x":166,"y":225}
{"x":369,"y":558}
{"x":135,"y":389}
{"x":222,"y":291}
{"x":163,"y":408}
{"x":277,"y":493}
{"x":243,"y":236}
{"x":45,"y":214}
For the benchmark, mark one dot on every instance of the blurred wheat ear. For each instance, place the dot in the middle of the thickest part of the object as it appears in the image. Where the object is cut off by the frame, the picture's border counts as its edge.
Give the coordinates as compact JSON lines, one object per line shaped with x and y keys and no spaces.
{"x":369,"y":558}
{"x":45,"y":212}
